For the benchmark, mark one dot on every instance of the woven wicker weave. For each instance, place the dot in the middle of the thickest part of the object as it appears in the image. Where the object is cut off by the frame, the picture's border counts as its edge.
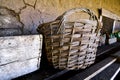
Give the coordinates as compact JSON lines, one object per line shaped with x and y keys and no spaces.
{"x":71,"y":44}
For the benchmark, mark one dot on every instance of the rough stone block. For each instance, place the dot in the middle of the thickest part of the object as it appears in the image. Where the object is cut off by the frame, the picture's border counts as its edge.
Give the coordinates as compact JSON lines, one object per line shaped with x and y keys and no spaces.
{"x":50,"y":10}
{"x":9,"y":23}
{"x":31,"y":18}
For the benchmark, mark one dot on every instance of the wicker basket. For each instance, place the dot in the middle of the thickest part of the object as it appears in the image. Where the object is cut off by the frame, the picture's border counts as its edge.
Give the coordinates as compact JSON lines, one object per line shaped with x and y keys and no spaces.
{"x":71,"y":44}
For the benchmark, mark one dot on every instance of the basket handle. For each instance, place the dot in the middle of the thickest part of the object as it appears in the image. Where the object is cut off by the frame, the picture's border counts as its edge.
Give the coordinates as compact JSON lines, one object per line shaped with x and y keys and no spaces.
{"x":71,"y":11}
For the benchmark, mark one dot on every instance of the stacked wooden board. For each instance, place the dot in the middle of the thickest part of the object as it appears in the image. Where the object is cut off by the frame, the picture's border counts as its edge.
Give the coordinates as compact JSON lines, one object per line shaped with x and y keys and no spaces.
{"x":19,"y":55}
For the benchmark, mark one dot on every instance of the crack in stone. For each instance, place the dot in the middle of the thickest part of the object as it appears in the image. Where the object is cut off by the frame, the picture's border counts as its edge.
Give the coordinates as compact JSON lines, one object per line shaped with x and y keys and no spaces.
{"x":60,"y":2}
{"x":10,"y":10}
{"x":27,"y":4}
{"x":35,"y":4}
{"x":22,"y":9}
{"x":21,"y":23}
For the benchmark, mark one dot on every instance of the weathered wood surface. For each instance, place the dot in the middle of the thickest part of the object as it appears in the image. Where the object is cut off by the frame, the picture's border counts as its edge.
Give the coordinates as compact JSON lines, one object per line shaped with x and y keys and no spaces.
{"x":19,"y":55}
{"x":110,"y":14}
{"x":15,"y":69}
{"x":19,"y":48}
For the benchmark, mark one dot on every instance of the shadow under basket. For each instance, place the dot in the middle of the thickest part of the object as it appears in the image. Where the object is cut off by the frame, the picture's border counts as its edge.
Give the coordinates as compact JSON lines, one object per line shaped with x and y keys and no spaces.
{"x":71,"y":41}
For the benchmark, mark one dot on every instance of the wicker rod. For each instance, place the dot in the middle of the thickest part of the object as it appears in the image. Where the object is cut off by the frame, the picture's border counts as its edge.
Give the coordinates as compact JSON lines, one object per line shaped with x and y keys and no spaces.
{"x":71,"y":40}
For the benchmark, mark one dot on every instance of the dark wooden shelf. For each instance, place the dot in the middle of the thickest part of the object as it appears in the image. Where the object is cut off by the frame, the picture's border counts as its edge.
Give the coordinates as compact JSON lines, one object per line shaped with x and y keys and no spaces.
{"x":106,"y":48}
{"x":47,"y":72}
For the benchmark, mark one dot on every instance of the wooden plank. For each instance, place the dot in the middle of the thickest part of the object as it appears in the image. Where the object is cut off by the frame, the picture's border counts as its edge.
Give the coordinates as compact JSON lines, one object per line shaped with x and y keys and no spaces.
{"x":56,"y":75}
{"x":110,"y":14}
{"x":113,"y":77}
{"x":94,"y":70}
{"x":107,"y":73}
{"x":99,"y":70}
{"x":15,"y":69}
{"x":19,"y":48}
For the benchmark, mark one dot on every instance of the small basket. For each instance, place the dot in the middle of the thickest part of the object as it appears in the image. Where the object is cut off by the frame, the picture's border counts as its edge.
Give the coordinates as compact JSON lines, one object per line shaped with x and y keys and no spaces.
{"x":71,"y":44}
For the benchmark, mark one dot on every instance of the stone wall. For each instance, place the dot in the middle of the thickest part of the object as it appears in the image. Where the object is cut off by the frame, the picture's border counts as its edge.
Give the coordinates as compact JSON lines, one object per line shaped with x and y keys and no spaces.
{"x":31,"y":13}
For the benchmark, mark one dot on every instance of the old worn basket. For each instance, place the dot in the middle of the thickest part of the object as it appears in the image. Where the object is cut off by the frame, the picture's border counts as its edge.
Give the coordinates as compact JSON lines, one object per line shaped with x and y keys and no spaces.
{"x":71,"y":44}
